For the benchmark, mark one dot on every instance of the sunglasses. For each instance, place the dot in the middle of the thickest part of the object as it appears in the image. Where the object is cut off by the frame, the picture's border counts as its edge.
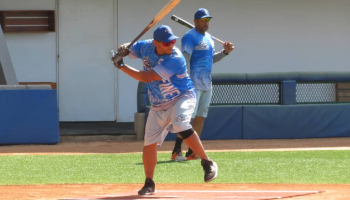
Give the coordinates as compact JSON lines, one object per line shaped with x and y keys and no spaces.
{"x":166,"y":44}
{"x":205,"y":19}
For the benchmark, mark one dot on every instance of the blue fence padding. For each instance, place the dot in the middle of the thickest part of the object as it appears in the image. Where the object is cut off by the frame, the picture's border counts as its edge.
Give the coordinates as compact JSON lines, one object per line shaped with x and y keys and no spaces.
{"x":170,"y":136}
{"x":229,"y":78}
{"x":270,"y":77}
{"x":338,"y":77}
{"x":324,"y":76}
{"x":313,"y":76}
{"x":29,"y":117}
{"x":296,"y":121}
{"x":223,"y":122}
{"x":289,"y":93}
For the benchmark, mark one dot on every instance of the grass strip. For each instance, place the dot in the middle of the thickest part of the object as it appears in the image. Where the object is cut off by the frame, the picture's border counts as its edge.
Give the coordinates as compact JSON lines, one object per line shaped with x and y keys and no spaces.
{"x":312,"y":167}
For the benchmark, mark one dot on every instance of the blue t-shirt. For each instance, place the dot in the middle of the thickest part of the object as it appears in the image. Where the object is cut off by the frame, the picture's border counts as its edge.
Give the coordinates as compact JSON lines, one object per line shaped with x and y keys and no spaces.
{"x":201,"y":48}
{"x":171,"y":68}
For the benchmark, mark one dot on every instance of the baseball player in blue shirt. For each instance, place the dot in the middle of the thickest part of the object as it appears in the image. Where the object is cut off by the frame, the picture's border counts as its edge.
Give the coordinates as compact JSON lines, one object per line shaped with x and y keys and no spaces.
{"x":198,"y":48}
{"x":172,"y":96}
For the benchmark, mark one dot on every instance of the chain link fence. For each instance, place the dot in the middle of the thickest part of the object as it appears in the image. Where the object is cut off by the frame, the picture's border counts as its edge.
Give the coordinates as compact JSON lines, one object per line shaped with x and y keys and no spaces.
{"x":266,"y":88}
{"x":245,"y":94}
{"x":269,"y":93}
{"x":316,"y":92}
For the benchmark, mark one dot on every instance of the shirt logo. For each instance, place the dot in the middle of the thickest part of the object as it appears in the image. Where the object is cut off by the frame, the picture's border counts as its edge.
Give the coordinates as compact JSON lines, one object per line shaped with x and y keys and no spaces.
{"x":206,"y":110}
{"x":182,"y":118}
{"x":202,"y":46}
{"x":146,"y":63}
{"x":160,"y":61}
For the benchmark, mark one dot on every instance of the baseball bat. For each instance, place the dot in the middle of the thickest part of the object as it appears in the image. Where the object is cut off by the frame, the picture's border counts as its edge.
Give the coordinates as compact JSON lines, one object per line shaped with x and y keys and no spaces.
{"x":167,"y":8}
{"x":187,"y":24}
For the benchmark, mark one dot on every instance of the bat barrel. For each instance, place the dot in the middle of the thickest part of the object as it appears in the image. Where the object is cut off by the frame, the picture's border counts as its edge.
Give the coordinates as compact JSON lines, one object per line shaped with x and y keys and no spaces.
{"x":185,"y":23}
{"x":181,"y":21}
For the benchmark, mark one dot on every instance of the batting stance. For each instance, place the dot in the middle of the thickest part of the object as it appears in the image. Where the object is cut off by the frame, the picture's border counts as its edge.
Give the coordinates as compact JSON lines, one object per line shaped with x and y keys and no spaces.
{"x":198,"y":49}
{"x":172,"y":96}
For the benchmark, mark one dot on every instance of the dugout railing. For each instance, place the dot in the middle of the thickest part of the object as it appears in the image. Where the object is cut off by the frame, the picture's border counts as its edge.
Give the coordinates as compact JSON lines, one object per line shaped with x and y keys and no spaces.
{"x":272,"y":106}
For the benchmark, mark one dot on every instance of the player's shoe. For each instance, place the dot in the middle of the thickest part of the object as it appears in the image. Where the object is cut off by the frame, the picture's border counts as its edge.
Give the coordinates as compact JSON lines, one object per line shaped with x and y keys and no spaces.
{"x":192,"y":156}
{"x":177,"y":156}
{"x":210,"y":170}
{"x":149,"y":187}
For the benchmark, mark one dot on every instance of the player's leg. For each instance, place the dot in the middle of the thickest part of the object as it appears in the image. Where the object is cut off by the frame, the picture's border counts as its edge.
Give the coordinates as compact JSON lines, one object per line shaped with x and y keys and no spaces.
{"x":197,"y":124}
{"x":176,"y":154}
{"x":182,"y":112}
{"x":203,"y":102}
{"x":210,"y":167}
{"x":149,"y":158}
{"x":155,"y":132}
{"x":192,"y":140}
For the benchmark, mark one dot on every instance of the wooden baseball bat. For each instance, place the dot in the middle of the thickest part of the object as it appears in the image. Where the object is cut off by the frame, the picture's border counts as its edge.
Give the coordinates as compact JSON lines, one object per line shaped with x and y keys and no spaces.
{"x":167,"y":8}
{"x":187,"y":24}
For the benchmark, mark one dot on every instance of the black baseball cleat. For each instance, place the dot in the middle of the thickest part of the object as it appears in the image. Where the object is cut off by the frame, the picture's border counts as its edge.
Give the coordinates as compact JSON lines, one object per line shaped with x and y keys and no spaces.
{"x":210,"y":170}
{"x":149,"y":187}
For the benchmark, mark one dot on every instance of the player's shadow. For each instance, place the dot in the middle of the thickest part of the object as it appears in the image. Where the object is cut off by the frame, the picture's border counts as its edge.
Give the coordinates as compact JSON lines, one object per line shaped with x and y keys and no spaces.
{"x":125,"y":197}
{"x":137,"y":197}
{"x":165,"y":162}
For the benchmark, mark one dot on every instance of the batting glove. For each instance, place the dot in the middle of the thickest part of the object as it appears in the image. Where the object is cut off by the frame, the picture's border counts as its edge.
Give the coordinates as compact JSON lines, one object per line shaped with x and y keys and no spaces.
{"x":123,"y":50}
{"x":118,"y":61}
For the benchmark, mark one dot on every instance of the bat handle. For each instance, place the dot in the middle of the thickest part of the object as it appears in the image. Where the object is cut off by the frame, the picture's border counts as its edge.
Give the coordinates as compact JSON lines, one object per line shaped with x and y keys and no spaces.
{"x":113,"y":53}
{"x":222,"y":42}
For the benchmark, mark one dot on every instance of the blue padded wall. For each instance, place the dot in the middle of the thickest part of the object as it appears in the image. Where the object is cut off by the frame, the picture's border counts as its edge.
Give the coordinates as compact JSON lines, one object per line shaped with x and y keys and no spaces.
{"x":29,"y":117}
{"x":296,"y":121}
{"x":223,"y":122}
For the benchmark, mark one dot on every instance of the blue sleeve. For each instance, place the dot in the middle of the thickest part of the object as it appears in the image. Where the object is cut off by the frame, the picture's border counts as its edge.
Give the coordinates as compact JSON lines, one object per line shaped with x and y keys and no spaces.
{"x":135,"y":50}
{"x":168,"y":68}
{"x":187,"y":43}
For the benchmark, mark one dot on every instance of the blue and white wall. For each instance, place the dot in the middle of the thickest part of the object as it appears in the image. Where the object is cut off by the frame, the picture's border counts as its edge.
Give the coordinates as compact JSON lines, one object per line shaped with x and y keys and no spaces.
{"x":269,"y":36}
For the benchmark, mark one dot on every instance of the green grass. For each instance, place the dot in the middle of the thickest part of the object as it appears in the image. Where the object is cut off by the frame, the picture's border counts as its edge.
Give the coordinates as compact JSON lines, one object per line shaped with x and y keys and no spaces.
{"x":234,"y":167}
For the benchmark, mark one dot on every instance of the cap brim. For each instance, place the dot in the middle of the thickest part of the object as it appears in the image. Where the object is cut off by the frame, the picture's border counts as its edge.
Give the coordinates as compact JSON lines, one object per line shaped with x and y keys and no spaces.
{"x":171,"y":38}
{"x":206,"y":16}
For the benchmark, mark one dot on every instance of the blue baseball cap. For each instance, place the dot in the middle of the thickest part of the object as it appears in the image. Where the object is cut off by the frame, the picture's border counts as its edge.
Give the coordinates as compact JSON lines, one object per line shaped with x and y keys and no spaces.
{"x":164,"y":34}
{"x":202,"y":13}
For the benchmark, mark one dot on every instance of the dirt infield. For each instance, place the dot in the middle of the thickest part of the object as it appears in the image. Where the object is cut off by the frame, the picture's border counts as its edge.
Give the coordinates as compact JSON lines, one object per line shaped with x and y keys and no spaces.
{"x":51,"y":192}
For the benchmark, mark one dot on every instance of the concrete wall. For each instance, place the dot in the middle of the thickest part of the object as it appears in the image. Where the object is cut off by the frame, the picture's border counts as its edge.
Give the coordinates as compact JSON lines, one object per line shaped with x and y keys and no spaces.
{"x":87,"y":78}
{"x":33,"y":54}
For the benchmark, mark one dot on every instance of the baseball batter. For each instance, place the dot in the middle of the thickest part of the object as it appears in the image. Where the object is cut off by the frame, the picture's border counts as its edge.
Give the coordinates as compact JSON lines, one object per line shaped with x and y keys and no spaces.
{"x":172,"y":96}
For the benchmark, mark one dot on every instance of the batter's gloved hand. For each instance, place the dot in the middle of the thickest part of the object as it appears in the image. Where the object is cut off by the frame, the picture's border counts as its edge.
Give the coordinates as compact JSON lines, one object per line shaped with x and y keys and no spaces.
{"x":118,"y":61}
{"x":123,"y":50}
